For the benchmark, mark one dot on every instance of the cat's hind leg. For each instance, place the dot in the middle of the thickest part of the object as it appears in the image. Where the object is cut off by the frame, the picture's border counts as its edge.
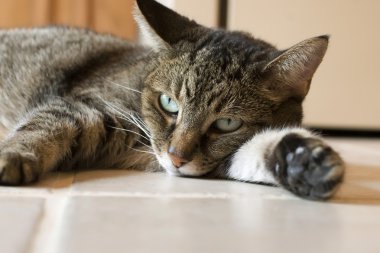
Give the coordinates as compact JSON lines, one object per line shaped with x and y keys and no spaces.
{"x":293,"y":158}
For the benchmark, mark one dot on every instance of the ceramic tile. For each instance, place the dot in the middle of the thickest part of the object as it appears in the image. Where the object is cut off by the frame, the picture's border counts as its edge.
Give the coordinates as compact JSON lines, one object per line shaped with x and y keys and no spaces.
{"x":120,"y":224}
{"x":358,"y":151}
{"x":361,"y":185}
{"x":19,"y":220}
{"x":362,"y":179}
{"x":47,"y":185}
{"x":131,"y":211}
{"x":160,"y":184}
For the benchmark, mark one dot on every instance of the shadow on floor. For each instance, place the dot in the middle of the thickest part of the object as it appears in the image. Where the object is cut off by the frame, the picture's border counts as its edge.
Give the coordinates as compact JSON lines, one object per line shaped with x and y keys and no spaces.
{"x":361,"y":183}
{"x":361,"y":186}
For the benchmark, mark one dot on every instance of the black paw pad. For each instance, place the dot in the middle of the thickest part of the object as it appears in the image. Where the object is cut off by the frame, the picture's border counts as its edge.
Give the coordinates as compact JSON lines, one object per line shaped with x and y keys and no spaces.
{"x":307,"y":167}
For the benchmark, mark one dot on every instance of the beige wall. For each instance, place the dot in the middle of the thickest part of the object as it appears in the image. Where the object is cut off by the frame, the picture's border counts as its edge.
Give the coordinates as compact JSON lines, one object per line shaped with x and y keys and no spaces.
{"x":346,"y":89}
{"x":204,"y":12}
{"x":112,"y":16}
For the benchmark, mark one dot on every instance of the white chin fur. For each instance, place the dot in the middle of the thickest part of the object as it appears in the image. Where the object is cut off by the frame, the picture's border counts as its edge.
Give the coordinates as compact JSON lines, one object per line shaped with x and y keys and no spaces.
{"x":166,"y":163}
{"x":190,"y":169}
{"x":187,"y":170}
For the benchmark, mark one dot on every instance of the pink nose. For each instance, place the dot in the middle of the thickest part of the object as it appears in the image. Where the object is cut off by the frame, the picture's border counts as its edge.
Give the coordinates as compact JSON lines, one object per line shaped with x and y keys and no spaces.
{"x":178,"y":161}
{"x":177,"y":158}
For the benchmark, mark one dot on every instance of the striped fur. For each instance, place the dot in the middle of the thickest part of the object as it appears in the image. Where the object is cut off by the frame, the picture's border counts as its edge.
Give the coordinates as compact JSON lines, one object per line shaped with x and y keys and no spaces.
{"x":72,"y":98}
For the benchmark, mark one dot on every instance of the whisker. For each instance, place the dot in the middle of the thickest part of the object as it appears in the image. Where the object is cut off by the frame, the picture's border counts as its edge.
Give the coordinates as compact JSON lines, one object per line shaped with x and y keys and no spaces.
{"x":142,"y":151}
{"x":126,"y":130}
{"x":142,"y":143}
{"x":114,"y":107}
{"x":124,"y":87}
{"x":128,"y":116}
{"x":141,"y":127}
{"x":138,"y":122}
{"x":142,"y":136}
{"x":139,"y":119}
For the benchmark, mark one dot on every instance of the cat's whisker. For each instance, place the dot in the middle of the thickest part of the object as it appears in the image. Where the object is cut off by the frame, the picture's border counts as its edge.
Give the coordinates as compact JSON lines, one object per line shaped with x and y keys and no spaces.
{"x":142,"y":151}
{"x":124,"y":87}
{"x":140,"y":123}
{"x":129,"y":117}
{"x":140,"y":120}
{"x":142,"y":136}
{"x":142,"y":143}
{"x":130,"y":131}
{"x":134,"y":119}
{"x":113,"y":107}
{"x":121,"y":86}
{"x":141,"y":127}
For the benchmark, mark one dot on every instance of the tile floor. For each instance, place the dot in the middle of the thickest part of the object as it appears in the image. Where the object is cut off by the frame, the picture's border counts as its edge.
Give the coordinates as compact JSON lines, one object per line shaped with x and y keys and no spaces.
{"x":129,"y":211}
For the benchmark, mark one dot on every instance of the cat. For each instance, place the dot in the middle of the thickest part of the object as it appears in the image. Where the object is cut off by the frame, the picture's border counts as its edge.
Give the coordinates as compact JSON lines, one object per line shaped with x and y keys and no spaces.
{"x":196,"y":102}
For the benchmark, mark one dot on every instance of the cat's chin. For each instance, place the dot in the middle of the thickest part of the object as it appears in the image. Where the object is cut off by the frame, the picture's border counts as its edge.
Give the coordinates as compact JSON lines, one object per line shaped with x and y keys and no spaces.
{"x":189,"y":170}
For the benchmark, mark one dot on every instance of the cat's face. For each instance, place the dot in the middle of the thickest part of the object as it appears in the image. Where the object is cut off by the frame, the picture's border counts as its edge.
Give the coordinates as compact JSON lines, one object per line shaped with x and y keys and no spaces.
{"x":210,"y":91}
{"x":201,"y":104}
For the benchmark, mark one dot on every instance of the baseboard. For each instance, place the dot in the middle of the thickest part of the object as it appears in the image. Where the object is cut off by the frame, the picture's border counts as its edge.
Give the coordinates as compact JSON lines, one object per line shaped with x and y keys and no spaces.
{"x":348,"y":133}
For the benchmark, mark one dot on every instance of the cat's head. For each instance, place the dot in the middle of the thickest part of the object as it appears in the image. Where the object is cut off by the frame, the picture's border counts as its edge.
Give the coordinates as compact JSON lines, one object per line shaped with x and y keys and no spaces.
{"x":211,"y":90}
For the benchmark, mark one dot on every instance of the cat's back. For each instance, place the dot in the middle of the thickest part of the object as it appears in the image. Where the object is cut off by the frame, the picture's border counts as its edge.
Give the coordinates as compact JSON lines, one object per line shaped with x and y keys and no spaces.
{"x":46,"y":62}
{"x":41,"y":49}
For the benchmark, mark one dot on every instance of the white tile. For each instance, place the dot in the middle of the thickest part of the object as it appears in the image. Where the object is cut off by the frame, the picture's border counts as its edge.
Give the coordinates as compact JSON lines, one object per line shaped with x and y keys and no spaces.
{"x":124,"y":182}
{"x":130,"y":211}
{"x":120,"y":224}
{"x":19,"y":220}
{"x":48,"y":184}
{"x":362,"y":178}
{"x":358,"y":151}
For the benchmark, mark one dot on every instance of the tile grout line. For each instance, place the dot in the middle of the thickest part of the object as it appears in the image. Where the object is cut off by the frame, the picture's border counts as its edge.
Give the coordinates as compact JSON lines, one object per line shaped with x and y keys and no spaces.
{"x":177,"y":195}
{"x":46,"y":236}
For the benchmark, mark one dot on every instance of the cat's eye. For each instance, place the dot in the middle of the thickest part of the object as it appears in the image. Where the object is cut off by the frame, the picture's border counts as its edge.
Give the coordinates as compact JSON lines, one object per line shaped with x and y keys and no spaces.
{"x":168,"y":104}
{"x":227,"y":125}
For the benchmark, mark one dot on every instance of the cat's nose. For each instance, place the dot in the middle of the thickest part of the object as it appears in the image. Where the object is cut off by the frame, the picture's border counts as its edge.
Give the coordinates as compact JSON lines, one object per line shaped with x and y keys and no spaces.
{"x":178,"y":160}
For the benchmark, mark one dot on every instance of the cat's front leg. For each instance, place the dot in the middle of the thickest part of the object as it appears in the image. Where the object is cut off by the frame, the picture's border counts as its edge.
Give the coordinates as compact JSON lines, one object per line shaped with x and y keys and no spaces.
{"x":40,"y":140}
{"x":293,"y":158}
{"x":59,"y":134}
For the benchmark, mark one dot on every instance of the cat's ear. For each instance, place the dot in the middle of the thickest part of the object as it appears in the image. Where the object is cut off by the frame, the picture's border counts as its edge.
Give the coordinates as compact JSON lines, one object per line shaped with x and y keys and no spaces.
{"x":162,"y":27}
{"x":290,"y":73}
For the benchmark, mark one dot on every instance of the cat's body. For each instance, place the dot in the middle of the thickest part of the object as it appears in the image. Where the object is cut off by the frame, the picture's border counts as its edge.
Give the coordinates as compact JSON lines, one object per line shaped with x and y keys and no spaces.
{"x":191,"y":103}
{"x":66,"y":74}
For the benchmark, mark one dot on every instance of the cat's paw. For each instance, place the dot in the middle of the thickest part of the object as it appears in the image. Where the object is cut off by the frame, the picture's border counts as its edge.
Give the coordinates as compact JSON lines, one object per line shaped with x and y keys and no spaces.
{"x":307,"y":167}
{"x":17,"y":169}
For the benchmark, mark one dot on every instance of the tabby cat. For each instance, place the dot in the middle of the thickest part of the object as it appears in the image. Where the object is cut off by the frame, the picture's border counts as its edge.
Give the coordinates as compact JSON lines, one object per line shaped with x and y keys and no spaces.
{"x":195,"y":102}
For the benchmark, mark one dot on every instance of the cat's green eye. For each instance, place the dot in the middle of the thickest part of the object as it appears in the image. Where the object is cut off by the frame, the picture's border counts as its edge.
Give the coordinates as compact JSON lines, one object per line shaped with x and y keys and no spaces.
{"x":168,"y":104}
{"x":228,"y":125}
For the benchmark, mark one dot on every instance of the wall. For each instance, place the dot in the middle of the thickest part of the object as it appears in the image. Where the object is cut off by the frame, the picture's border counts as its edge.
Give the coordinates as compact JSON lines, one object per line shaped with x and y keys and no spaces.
{"x":345,"y":92}
{"x":113,"y":16}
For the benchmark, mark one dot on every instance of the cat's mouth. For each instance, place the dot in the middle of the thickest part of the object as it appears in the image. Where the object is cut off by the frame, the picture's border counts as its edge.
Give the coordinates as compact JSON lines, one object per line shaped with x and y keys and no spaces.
{"x":189,"y":169}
